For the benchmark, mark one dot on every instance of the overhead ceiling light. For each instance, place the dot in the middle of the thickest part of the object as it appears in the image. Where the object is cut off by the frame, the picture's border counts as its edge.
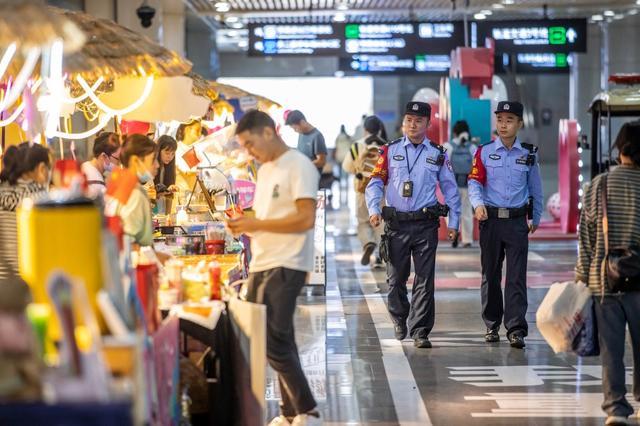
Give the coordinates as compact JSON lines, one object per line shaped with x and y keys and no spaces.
{"x":222,"y":6}
{"x":339,"y":17}
{"x":497,"y":6}
{"x":479,"y":16}
{"x":486,"y":12}
{"x":618,"y":16}
{"x":243,"y":44}
{"x":638,"y":2}
{"x":609,"y":13}
{"x":343,"y":6}
{"x":231,"y":19}
{"x":632,"y":12}
{"x":508,"y":1}
{"x":237,"y":25}
{"x":597,"y":18}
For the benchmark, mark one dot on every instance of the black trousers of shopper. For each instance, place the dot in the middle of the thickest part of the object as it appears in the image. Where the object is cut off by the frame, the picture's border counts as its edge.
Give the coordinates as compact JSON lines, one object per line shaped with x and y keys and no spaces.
{"x":278,"y":289}
{"x":613,"y":315}
{"x":500,"y":239}
{"x":417,"y":239}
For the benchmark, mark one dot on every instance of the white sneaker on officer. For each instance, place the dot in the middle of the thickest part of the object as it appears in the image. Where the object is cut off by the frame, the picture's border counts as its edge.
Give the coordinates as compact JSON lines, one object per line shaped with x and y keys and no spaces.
{"x":306,"y":420}
{"x":280,"y":421}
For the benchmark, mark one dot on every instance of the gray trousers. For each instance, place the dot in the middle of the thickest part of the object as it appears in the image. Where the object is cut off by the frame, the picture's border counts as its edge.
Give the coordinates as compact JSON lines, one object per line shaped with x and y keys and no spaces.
{"x":417,"y":239}
{"x":613,"y":315}
{"x":500,"y":239}
{"x":278,"y":289}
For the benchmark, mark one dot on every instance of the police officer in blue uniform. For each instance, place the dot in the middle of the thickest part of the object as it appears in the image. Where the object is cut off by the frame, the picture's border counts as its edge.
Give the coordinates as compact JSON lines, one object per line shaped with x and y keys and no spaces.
{"x":410,"y":168}
{"x":506,"y":193}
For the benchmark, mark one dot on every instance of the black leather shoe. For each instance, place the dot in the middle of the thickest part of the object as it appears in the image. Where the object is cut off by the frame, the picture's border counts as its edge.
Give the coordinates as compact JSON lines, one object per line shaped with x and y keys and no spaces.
{"x":517,"y":341}
{"x":492,"y":336}
{"x":422,"y":342}
{"x":366,"y":254}
{"x":400,"y":331}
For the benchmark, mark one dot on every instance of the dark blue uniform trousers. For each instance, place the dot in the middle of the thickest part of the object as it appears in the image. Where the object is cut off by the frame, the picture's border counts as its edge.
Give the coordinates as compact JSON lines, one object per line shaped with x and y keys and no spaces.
{"x":500,"y":238}
{"x":417,"y":239}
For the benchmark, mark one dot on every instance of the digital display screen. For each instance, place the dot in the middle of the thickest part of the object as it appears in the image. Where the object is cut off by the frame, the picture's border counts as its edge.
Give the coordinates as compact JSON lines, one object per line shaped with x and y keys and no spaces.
{"x":295,"y":40}
{"x":535,"y":63}
{"x":394,"y":65}
{"x":537,"y":36}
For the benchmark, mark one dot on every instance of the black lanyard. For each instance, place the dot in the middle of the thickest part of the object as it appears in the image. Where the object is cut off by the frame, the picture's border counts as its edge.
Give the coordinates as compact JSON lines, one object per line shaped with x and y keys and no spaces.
{"x":406,"y":151}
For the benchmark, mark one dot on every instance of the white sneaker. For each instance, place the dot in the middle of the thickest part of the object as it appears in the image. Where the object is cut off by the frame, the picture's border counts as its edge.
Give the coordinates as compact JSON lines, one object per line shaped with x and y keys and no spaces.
{"x":306,"y":420}
{"x":279,"y":421}
{"x":617,"y":421}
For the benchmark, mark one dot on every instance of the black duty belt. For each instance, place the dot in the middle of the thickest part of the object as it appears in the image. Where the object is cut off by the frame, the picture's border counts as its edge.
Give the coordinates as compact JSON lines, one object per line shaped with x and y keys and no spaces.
{"x":506,"y":213}
{"x":427,"y":213}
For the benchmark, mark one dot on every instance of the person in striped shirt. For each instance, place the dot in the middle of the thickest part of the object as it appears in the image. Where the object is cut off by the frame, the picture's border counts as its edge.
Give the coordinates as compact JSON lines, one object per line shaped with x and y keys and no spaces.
{"x":614,"y":311}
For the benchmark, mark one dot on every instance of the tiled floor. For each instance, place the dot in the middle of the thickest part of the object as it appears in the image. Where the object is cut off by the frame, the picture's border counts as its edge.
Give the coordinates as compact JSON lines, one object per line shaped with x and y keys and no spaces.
{"x":361,"y":375}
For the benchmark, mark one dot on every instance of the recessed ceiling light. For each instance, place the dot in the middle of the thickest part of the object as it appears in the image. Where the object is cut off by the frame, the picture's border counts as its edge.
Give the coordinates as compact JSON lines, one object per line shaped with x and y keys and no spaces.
{"x":618,"y":16}
{"x":222,"y":6}
{"x":497,"y":6}
{"x":243,"y":44}
{"x":486,"y":12}
{"x":632,"y":12}
{"x":597,"y":18}
{"x":638,"y":2}
{"x":609,"y":13}
{"x":231,"y":19}
{"x":480,"y":16}
{"x":508,"y":1}
{"x":339,"y":17}
{"x":343,"y":6}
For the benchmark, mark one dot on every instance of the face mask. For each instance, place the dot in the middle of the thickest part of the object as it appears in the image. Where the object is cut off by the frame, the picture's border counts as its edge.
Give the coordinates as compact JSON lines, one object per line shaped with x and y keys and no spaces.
{"x":144,"y":176}
{"x":108,"y":168}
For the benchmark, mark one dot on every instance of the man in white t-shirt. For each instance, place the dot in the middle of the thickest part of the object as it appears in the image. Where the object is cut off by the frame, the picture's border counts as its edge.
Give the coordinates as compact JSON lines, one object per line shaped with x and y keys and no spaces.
{"x":282,"y":249}
{"x":106,"y":156}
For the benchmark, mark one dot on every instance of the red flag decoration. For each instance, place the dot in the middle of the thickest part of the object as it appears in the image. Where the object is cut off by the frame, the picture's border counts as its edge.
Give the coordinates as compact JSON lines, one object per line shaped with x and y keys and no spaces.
{"x":191,"y":158}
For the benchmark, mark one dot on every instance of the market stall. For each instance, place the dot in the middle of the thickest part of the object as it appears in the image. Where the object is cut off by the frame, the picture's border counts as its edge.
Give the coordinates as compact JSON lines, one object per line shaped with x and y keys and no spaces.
{"x":116,"y":329}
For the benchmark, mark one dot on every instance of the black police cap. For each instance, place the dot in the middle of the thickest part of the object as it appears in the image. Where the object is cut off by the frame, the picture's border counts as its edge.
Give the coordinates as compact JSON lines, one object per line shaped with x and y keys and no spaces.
{"x":510,"y":106}
{"x":421,"y":109}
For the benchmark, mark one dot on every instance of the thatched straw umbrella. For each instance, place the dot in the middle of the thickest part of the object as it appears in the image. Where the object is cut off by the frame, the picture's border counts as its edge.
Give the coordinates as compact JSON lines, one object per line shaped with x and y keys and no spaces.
{"x":29,"y":23}
{"x":212,"y":90}
{"x":112,"y":50}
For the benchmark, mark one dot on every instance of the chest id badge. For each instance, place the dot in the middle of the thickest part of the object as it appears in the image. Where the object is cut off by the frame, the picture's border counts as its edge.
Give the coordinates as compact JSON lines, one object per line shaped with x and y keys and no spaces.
{"x":407,"y":189}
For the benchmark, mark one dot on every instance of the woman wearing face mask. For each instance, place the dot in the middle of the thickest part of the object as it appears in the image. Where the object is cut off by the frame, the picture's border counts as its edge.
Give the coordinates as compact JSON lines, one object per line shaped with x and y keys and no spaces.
{"x":106,"y":156}
{"x":25,"y":173}
{"x":139,"y":156}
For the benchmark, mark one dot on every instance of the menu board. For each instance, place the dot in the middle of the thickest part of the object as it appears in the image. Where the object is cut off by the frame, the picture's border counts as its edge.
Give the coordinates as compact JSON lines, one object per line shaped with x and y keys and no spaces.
{"x":535,"y":36}
{"x":295,"y":40}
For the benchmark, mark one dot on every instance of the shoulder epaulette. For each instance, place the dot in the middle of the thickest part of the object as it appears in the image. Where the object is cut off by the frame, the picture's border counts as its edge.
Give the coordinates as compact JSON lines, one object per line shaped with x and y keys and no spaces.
{"x":394,"y":142}
{"x":440,"y":148}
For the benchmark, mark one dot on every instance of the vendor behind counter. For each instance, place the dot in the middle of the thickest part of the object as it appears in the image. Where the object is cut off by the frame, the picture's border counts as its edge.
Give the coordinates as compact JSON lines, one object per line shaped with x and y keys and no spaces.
{"x":165,"y":180}
{"x":139,"y":156}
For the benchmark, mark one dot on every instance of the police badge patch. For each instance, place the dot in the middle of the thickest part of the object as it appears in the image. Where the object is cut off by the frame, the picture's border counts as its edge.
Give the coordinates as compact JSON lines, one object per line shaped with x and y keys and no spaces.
{"x":398,"y":157}
{"x":495,"y":157}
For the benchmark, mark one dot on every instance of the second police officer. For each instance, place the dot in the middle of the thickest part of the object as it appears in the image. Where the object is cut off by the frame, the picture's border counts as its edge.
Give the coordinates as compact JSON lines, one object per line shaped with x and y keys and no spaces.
{"x":505,"y":188}
{"x":410,"y":169}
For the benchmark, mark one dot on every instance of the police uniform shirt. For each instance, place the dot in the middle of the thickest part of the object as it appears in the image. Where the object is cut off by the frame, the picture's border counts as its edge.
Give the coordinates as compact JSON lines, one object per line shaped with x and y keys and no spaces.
{"x":393,"y":171}
{"x":502,"y":178}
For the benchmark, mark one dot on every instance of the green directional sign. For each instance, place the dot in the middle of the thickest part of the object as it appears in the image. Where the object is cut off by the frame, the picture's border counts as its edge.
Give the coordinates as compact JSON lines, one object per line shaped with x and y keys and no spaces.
{"x":561,"y":60}
{"x":557,"y":35}
{"x":352,"y":31}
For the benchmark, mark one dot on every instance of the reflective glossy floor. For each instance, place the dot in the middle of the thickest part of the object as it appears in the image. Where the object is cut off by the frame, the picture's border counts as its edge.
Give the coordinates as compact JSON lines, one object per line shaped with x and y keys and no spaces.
{"x":361,"y":375}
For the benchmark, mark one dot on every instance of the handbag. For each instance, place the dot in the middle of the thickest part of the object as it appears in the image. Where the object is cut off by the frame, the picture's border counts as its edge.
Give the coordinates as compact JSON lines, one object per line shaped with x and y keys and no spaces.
{"x":621,"y":264}
{"x":586,"y":341}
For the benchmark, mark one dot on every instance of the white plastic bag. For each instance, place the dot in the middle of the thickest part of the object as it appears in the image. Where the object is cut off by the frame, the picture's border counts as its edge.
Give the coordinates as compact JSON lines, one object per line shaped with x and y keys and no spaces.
{"x":561,"y":314}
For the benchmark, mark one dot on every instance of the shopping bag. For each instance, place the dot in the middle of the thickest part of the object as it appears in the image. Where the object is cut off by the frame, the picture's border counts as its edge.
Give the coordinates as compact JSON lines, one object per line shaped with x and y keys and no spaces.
{"x":561,"y":314}
{"x":586,"y":342}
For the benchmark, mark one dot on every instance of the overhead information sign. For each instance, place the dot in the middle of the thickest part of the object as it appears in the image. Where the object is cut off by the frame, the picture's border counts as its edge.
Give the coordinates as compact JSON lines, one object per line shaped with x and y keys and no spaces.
{"x":392,"y":64}
{"x":295,"y":40}
{"x":534,"y":63}
{"x":535,"y":36}
{"x":403,"y":39}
